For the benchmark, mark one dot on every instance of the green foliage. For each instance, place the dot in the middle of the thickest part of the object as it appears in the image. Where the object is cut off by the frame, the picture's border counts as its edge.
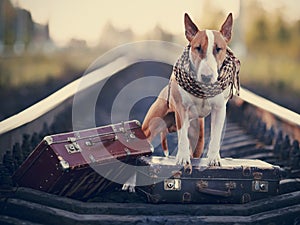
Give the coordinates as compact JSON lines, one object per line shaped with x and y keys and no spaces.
{"x":262,"y":34}
{"x":37,"y":68}
{"x":271,"y":70}
{"x":273,"y":53}
{"x":272,"y":34}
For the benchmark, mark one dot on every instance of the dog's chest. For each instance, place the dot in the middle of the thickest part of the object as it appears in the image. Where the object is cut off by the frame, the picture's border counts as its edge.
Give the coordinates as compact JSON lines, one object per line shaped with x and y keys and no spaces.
{"x":199,"y":107}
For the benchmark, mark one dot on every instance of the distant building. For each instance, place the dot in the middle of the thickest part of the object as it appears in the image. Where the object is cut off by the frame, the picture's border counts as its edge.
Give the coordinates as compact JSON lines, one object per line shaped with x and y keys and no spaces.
{"x":77,"y":43}
{"x":19,"y":33}
{"x":40,"y":39}
{"x":23,"y":30}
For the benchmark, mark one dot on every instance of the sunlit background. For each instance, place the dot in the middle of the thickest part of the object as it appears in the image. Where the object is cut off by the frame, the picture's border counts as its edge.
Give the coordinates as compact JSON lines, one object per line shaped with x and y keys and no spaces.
{"x":45,"y":44}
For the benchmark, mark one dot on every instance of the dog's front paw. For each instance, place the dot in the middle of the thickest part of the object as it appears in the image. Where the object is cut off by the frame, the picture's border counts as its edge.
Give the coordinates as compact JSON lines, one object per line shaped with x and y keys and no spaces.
{"x":184,"y":158}
{"x":214,"y":159}
{"x":128,"y":187}
{"x":130,"y":184}
{"x":214,"y":162}
{"x":166,"y":153}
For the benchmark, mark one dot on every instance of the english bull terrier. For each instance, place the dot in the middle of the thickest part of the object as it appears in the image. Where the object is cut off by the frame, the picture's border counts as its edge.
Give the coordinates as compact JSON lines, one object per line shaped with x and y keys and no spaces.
{"x":201,"y":83}
{"x":205,"y":56}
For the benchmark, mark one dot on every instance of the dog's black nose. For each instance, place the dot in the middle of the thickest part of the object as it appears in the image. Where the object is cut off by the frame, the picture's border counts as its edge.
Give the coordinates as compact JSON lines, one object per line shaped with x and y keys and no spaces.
{"x":206,"y":78}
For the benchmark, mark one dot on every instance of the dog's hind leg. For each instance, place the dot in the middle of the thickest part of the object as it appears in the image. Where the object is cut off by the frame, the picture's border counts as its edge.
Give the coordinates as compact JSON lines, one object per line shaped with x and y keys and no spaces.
{"x":196,"y":137}
{"x":154,"y":120}
{"x":170,"y":122}
{"x":200,"y":143}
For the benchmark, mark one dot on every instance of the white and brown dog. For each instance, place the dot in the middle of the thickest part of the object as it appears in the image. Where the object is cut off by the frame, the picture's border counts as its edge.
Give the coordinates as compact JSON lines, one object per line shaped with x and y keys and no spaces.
{"x":184,"y":112}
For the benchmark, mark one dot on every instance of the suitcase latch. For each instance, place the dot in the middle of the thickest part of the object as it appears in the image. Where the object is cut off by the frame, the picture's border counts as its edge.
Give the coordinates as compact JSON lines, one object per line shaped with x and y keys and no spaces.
{"x":128,"y":134}
{"x":172,"y":184}
{"x":260,"y":186}
{"x":74,"y":147}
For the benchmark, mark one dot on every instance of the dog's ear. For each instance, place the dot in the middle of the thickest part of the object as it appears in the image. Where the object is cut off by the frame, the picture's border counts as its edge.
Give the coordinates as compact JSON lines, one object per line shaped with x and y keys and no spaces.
{"x":190,"y":28}
{"x":227,"y":27}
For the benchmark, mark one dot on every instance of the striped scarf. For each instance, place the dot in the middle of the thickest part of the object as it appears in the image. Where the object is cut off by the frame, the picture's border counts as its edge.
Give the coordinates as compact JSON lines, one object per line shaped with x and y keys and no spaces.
{"x":228,"y":76}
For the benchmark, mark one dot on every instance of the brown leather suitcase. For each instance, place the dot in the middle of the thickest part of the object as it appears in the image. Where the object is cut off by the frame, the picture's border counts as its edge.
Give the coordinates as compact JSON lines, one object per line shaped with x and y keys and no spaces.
{"x":82,"y":164}
{"x":236,"y":181}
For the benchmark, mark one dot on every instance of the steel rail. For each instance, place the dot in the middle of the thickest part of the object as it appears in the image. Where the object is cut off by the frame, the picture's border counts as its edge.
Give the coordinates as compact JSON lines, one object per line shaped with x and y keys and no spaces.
{"x":270,"y":106}
{"x":47,"y":104}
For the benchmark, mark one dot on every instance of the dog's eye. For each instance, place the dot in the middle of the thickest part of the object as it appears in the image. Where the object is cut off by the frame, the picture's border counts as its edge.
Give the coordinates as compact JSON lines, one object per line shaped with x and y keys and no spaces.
{"x":199,"y":49}
{"x":218,"y":49}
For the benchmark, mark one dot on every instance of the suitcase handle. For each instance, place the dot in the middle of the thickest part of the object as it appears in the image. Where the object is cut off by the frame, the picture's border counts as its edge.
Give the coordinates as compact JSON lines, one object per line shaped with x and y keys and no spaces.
{"x":202,"y":187}
{"x":215,"y":192}
{"x":103,"y":138}
{"x":108,"y":137}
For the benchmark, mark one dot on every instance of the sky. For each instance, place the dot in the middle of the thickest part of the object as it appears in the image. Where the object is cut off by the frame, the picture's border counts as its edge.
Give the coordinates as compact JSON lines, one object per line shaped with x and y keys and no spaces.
{"x":84,"y":19}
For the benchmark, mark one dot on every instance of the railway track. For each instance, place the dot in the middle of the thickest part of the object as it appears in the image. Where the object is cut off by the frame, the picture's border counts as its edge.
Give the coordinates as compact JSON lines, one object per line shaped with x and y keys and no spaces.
{"x":255,"y":129}
{"x":26,"y":205}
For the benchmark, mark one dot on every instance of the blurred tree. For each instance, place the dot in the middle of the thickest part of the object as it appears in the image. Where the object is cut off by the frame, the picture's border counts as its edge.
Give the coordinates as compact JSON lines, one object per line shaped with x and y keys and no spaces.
{"x":17,"y":155}
{"x":5,"y":177}
{"x":17,"y":29}
{"x":26,"y":146}
{"x":296,"y":40}
{"x":297,"y":28}
{"x":112,"y":36}
{"x":7,"y":22}
{"x":271,"y":33}
{"x":262,"y":32}
{"x":35,"y":140}
{"x":23,"y":30}
{"x":158,"y":33}
{"x":45,"y":131}
{"x":283,"y":32}
{"x":8,"y":162}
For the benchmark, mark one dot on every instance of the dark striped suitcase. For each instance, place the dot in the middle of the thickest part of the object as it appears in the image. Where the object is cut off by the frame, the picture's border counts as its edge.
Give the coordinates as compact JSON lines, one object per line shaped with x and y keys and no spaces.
{"x":83,"y":163}
{"x":236,"y":181}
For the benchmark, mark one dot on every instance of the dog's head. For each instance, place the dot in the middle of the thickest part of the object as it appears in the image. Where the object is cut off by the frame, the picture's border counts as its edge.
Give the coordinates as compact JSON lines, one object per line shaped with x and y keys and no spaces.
{"x":208,"y":48}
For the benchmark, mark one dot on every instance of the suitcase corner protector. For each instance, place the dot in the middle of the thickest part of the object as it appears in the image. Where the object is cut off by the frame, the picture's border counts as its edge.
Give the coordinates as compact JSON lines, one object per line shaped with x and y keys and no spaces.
{"x":64,"y":165}
{"x":48,"y":140}
{"x":137,"y":122}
